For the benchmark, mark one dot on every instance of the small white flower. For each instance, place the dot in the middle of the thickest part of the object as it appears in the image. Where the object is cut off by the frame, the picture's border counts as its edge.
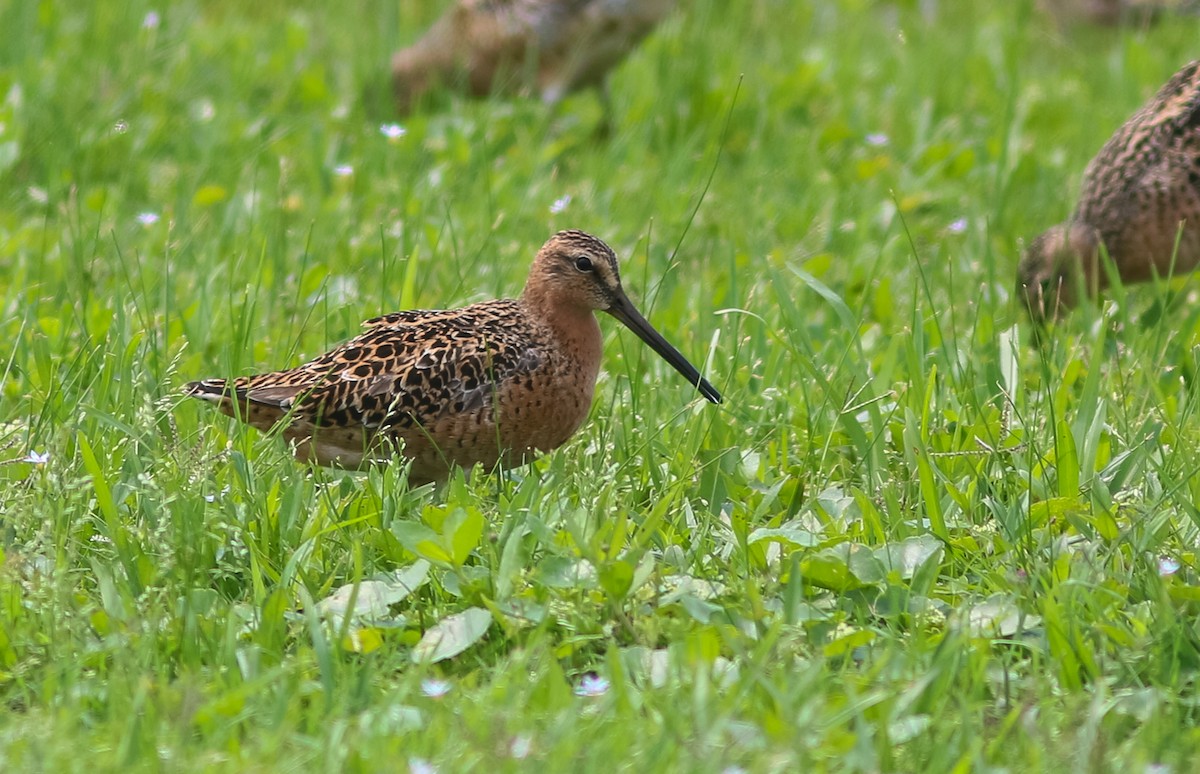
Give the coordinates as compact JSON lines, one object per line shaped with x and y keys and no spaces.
{"x":343,"y":170}
{"x":203,"y":110}
{"x":39,"y":195}
{"x":392,"y":131}
{"x":560,"y":204}
{"x":877,"y":139}
{"x":421,"y":766}
{"x":1167,"y":566}
{"x":592,"y":685}
{"x":121,"y":127}
{"x":37,"y":458}
{"x":147,"y":218}
{"x":521,"y":746}
{"x":957,"y":226}
{"x":434,"y":688}
{"x":151,"y":20}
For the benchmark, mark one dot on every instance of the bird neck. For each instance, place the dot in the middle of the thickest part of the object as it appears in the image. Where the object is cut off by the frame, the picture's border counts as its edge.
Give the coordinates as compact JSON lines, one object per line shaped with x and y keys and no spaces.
{"x":574,"y":326}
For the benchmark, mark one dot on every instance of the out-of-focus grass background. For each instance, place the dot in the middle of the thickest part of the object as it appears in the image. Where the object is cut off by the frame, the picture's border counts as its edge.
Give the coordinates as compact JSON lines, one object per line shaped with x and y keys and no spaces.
{"x":906,"y":541}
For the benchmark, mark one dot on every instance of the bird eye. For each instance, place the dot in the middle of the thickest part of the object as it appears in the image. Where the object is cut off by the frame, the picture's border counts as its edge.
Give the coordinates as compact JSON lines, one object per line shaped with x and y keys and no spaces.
{"x":583,"y":263}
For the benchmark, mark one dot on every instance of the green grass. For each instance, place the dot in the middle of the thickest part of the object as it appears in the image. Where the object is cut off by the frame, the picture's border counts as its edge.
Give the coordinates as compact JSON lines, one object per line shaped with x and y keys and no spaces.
{"x":907,"y":541}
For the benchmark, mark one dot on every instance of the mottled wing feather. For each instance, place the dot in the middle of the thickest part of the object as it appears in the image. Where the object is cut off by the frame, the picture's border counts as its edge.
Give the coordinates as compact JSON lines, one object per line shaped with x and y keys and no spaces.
{"x":1164,"y":132}
{"x":276,"y":395}
{"x":1178,"y":100}
{"x":409,"y":369}
{"x":409,"y":317}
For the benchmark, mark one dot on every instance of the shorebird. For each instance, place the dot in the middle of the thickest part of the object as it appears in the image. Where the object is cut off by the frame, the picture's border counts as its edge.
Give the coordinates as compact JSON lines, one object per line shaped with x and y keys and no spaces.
{"x":491,"y":382}
{"x":1114,"y":12}
{"x":551,"y":47}
{"x":1140,"y":202}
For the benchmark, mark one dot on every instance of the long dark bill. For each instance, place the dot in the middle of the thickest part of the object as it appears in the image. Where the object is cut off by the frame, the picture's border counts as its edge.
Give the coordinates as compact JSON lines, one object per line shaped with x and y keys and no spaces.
{"x":624,"y":311}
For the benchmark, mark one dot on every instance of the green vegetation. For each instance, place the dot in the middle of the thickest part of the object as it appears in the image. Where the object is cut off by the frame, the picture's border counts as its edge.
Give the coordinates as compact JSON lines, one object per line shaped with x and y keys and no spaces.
{"x":907,"y":541}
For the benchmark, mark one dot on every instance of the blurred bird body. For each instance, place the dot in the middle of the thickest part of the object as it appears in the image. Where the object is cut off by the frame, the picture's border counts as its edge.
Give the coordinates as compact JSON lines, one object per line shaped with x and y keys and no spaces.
{"x":494,"y":381}
{"x":1115,"y":12}
{"x":548,"y":47}
{"x":1140,"y":201}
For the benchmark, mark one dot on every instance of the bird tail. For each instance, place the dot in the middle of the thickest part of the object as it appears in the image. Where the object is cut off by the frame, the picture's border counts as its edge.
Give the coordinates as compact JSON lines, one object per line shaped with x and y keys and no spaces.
{"x":256,"y":407}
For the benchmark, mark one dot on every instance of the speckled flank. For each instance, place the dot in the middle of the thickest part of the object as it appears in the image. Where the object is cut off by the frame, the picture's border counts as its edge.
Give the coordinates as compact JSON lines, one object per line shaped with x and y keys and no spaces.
{"x":1140,"y":194}
{"x":549,"y":47}
{"x":492,"y":381}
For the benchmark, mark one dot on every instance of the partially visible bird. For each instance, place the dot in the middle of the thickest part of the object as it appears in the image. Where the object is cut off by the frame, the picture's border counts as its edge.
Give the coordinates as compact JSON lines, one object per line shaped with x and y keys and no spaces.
{"x":490,"y":382}
{"x":1140,"y":201}
{"x":548,"y":47}
{"x":1114,"y":12}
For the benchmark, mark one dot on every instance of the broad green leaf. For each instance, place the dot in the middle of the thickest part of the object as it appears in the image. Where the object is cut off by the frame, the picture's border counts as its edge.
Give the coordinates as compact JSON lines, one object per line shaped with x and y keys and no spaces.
{"x":829,"y":570}
{"x":362,"y":640}
{"x":844,"y":645}
{"x":998,"y":616}
{"x":788,"y":533}
{"x":452,"y":635}
{"x":864,"y":563}
{"x":464,"y":529}
{"x":1066,"y":461}
{"x":374,"y":598}
{"x":422,"y":541}
{"x":104,"y":497}
{"x":701,"y":610}
{"x":615,"y":578}
{"x":563,"y":572}
{"x":907,"y":556}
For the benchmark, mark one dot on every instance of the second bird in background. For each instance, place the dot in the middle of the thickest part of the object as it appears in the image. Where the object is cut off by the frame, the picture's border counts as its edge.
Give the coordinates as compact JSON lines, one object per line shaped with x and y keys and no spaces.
{"x":545,"y":47}
{"x":1140,"y":202}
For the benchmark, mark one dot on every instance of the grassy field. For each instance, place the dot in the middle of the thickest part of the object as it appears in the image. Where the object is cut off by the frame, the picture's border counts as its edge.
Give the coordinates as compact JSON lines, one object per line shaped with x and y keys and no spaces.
{"x":907,"y":541}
